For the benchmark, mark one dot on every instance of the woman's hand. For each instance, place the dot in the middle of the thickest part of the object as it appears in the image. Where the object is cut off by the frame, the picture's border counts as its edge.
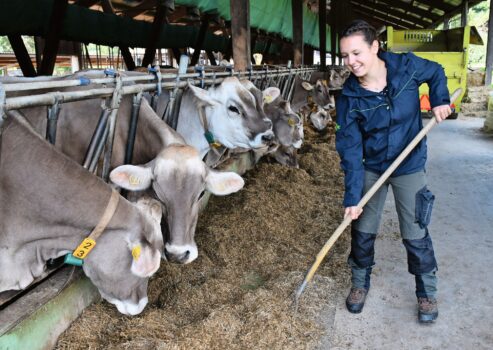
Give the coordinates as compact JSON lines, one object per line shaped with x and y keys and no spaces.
{"x":353,"y":212}
{"x":441,"y":112}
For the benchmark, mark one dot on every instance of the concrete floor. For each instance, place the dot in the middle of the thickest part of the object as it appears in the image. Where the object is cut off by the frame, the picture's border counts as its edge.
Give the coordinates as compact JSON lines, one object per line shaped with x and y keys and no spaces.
{"x":460,"y":174}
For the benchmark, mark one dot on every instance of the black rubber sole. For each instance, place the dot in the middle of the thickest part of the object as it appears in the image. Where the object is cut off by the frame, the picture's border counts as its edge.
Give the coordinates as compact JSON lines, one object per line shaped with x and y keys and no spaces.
{"x":427,"y":318}
{"x":354,"y":308}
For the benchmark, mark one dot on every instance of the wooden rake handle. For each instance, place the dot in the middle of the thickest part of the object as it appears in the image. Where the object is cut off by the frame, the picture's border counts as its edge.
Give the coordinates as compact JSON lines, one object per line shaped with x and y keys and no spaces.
{"x":347,"y":220}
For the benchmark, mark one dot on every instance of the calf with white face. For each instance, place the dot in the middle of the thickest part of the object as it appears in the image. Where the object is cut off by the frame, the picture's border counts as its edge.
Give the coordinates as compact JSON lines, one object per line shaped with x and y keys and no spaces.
{"x":176,"y":168}
{"x":231,"y":113}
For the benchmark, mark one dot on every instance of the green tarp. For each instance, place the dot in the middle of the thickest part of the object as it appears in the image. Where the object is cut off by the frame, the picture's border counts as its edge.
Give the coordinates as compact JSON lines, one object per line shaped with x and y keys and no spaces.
{"x":273,"y":16}
{"x":31,"y":17}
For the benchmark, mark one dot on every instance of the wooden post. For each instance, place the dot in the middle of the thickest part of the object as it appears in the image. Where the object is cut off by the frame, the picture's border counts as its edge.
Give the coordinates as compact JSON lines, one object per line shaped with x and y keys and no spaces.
{"x":334,"y":13}
{"x":159,"y":19}
{"x":53,"y":37}
{"x":240,"y":33}
{"x":489,"y":48}
{"x":200,"y":40}
{"x":23,"y":57}
{"x":322,"y":31}
{"x":308,"y":55}
{"x":297,"y":9}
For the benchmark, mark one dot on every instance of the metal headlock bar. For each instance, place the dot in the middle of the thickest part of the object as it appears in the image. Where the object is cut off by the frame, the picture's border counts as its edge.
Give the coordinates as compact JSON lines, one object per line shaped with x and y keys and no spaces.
{"x":113,"y":89}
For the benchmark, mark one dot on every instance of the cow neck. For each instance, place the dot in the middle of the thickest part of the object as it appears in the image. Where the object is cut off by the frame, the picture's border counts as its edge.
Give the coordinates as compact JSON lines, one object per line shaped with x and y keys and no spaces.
{"x":80,"y":253}
{"x":209,"y":136}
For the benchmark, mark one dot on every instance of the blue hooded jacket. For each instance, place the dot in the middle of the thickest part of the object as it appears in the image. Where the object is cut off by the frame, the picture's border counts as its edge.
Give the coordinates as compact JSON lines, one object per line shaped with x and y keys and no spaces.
{"x":373,"y":128}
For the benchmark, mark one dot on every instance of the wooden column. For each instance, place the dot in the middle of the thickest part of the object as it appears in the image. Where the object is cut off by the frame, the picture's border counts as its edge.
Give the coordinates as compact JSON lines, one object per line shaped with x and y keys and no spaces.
{"x":200,"y":40}
{"x":489,"y":48}
{"x":297,"y":9}
{"x":53,"y":37}
{"x":23,"y":57}
{"x":322,"y":24}
{"x":465,"y":11}
{"x":308,"y":55}
{"x":334,"y":13}
{"x":240,"y":33}
{"x":157,"y":25}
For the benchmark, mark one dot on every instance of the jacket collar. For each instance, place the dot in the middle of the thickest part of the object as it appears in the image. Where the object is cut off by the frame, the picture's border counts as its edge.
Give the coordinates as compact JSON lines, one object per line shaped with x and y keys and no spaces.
{"x":397,"y":70}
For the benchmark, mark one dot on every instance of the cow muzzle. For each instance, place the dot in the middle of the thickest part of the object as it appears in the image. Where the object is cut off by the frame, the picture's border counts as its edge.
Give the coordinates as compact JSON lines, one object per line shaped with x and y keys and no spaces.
{"x":180,"y":254}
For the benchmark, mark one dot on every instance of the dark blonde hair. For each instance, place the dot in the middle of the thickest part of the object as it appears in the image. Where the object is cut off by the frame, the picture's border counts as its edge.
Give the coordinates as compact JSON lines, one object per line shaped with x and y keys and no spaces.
{"x":360,"y":27}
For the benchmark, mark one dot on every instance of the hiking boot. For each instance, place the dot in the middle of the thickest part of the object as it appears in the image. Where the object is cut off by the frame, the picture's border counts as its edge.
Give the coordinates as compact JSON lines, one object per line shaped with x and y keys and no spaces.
{"x":427,"y":310}
{"x":356,"y":300}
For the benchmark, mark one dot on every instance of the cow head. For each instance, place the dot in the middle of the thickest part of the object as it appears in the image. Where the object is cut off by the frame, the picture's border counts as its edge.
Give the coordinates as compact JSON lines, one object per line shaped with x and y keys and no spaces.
{"x":338,"y":77}
{"x":120,"y":268}
{"x":320,"y":118}
{"x":234,"y":114}
{"x":179,"y":179}
{"x":319,"y":92}
{"x":287,"y":126}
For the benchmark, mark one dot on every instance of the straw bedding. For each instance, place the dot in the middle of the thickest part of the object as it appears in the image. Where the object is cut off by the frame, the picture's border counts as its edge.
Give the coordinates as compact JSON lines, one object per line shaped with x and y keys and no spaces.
{"x":255,"y":247}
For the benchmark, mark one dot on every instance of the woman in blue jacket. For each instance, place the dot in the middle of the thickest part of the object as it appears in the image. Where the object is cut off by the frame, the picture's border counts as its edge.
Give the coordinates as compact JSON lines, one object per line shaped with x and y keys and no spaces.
{"x":378,"y":114}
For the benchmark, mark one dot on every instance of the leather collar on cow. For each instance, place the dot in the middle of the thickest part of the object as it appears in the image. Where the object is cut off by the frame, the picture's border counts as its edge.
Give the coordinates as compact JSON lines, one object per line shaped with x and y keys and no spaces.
{"x":208,"y":134}
{"x":80,"y":253}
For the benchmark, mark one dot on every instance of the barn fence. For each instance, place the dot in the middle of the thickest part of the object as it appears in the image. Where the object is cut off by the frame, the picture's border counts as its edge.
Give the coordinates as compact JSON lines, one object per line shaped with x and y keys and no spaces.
{"x":114,"y":85}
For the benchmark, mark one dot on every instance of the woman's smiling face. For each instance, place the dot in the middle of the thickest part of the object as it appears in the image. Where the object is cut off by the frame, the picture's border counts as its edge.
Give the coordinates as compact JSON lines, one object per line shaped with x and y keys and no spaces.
{"x":358,"y":55}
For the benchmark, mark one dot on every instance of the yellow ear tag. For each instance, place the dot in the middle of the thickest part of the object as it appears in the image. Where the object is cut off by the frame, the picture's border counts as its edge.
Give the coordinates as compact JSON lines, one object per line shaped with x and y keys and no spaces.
{"x":291,"y":122}
{"x":268,"y":99}
{"x":133,"y":180}
{"x":84,"y":248}
{"x":136,"y":252}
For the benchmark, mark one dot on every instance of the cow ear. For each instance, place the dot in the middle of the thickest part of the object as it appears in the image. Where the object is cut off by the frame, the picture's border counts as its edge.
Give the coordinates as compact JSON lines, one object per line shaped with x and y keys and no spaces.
{"x":202,"y":97}
{"x":270,"y":94}
{"x":307,"y":86}
{"x":151,"y":207}
{"x":223,"y":183}
{"x":132,"y":177}
{"x":145,"y":260}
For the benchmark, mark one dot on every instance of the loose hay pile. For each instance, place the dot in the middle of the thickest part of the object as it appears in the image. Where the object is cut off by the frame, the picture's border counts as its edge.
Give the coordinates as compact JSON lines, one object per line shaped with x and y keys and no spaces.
{"x":254,"y":249}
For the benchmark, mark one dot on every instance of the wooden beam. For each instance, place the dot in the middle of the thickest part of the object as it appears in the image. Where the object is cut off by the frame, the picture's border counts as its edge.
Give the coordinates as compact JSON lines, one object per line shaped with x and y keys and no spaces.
{"x":297,"y":10}
{"x":334,"y":28}
{"x":322,"y":31}
{"x":144,"y":6}
{"x":409,"y":8}
{"x":366,"y":10}
{"x":52,"y":39}
{"x":373,"y":20}
{"x":489,"y":49}
{"x":388,"y":10}
{"x":200,"y":40}
{"x":159,"y":20}
{"x":240,"y":33}
{"x":211,"y":57}
{"x":86,"y":3}
{"x":23,"y":57}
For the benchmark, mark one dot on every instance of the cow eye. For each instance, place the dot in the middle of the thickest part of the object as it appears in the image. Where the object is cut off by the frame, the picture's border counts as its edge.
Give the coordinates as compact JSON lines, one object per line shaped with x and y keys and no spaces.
{"x":201,"y":195}
{"x":234,"y":109}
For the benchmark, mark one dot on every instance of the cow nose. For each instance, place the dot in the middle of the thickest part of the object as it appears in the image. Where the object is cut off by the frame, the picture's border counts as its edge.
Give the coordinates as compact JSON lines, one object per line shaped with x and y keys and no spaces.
{"x":268,"y":137}
{"x":177,"y":258}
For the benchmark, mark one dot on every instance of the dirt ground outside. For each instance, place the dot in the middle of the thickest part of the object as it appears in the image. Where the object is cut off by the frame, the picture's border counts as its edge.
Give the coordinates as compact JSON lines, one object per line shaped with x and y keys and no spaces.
{"x":460,"y":173}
